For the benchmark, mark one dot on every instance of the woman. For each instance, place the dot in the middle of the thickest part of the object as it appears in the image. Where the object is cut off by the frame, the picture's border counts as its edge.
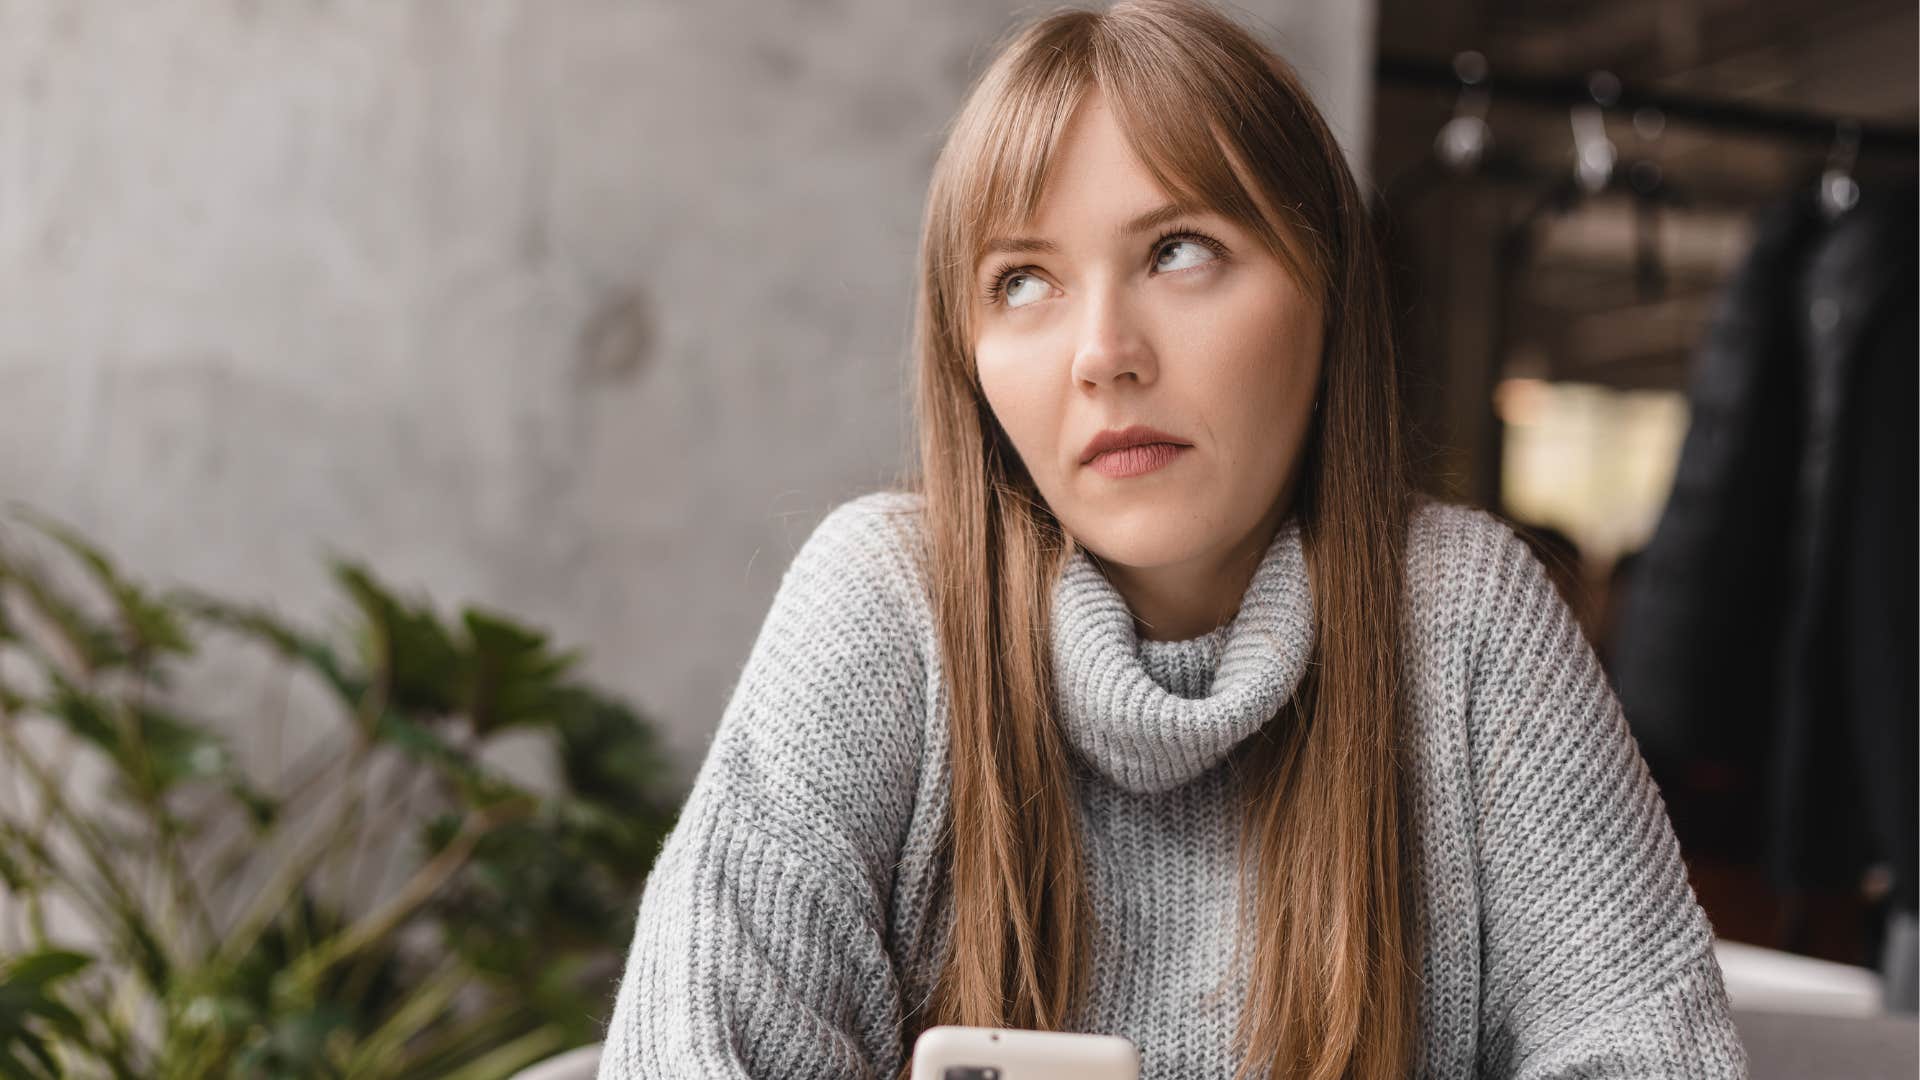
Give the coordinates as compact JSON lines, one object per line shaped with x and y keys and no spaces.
{"x":1227,"y":743}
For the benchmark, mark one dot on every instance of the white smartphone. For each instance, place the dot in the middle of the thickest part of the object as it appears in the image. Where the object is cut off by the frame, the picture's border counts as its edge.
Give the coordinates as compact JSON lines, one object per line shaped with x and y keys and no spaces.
{"x":978,"y":1053}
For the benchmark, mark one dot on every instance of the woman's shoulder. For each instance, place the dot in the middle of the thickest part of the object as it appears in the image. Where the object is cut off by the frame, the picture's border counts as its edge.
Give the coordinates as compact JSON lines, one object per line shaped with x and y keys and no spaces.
{"x":1467,"y":568}
{"x":872,"y":544}
{"x":887,"y":518}
{"x":821,"y":737}
{"x":850,"y":613}
{"x":856,"y":576}
{"x":1456,"y":545}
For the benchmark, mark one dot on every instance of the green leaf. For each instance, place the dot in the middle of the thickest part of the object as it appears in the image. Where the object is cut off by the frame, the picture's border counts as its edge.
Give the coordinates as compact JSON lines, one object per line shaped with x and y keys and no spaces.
{"x":279,"y":635}
{"x":96,"y":645}
{"x":262,"y":809}
{"x":609,"y":754}
{"x":295,"y":1045}
{"x":12,"y":1066}
{"x":420,"y":663}
{"x":180,"y":752}
{"x":14,"y":875}
{"x":28,"y":1009}
{"x":86,"y":716}
{"x":139,"y":943}
{"x":476,"y":785}
{"x":512,"y":676}
{"x":148,"y":626}
{"x":154,"y":749}
{"x":40,"y":968}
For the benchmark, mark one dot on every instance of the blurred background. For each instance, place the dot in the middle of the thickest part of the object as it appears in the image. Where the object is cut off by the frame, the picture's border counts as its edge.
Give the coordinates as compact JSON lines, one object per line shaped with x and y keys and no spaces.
{"x":407,"y":411}
{"x":1658,"y":280}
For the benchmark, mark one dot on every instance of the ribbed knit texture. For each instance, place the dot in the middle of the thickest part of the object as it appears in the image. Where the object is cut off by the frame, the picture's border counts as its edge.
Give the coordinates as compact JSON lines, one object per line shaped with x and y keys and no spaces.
{"x":798,"y":910}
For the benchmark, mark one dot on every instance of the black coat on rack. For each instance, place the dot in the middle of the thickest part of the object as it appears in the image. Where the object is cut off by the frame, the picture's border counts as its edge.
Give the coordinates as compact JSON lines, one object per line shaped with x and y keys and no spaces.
{"x":1771,"y":620}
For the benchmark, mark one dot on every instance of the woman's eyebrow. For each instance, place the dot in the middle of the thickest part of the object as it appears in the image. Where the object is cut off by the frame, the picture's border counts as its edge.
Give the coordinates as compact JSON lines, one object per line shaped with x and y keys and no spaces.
{"x":1022,"y":245}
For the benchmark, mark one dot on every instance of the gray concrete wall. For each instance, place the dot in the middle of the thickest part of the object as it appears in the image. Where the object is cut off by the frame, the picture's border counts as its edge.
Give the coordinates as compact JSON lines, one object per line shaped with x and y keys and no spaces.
{"x":587,"y":310}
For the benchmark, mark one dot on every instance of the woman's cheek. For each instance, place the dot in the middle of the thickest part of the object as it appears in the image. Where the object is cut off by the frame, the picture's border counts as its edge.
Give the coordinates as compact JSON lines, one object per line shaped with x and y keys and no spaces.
{"x":1017,"y":406}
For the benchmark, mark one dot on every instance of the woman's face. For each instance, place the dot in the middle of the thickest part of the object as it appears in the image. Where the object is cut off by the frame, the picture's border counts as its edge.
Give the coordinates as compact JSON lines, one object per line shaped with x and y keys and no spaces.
{"x":1184,"y":323}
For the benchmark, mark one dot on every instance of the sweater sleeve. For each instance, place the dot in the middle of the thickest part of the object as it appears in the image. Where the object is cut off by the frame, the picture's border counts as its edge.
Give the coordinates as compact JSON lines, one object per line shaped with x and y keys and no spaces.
{"x":1597,"y":960}
{"x":759,"y":948}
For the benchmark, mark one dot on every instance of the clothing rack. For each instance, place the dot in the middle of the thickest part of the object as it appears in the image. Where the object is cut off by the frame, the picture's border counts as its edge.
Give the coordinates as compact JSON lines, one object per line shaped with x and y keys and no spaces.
{"x":1733,"y":117}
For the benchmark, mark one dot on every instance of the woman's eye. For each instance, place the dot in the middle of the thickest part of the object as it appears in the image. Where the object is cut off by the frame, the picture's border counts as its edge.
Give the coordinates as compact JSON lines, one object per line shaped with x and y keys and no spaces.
{"x":1012,"y":289}
{"x":1194,"y":253}
{"x":1015,"y":288}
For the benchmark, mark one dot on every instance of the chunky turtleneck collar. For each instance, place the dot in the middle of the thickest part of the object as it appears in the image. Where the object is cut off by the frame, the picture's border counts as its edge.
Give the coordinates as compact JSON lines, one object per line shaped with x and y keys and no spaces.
{"x":1152,"y":715}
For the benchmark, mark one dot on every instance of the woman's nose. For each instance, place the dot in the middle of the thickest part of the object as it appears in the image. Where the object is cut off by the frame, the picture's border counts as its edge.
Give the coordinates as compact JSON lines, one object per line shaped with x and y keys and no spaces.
{"x":1111,"y":342}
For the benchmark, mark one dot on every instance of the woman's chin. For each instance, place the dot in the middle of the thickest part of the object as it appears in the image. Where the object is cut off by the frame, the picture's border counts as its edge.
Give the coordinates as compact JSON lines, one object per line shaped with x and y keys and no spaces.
{"x":1144,"y":541}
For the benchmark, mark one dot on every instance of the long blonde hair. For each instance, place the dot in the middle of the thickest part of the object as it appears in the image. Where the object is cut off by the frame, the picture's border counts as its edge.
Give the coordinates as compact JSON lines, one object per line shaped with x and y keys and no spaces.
{"x":1324,"y":858}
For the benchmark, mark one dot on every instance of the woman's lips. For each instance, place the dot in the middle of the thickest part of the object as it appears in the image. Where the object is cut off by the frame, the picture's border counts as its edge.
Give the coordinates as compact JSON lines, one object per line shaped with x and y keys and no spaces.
{"x":1135,"y":460}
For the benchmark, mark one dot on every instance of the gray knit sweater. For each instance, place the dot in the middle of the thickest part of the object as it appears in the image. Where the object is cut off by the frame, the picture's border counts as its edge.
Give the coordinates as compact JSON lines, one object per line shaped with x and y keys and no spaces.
{"x":795,"y":912}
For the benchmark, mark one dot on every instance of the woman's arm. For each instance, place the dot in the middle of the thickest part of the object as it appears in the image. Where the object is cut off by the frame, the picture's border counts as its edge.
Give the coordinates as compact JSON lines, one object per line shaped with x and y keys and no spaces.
{"x":759,"y":949}
{"x":1597,"y":960}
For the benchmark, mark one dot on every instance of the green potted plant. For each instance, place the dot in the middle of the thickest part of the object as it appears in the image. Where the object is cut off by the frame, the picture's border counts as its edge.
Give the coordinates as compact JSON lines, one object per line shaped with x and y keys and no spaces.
{"x":190,"y":919}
